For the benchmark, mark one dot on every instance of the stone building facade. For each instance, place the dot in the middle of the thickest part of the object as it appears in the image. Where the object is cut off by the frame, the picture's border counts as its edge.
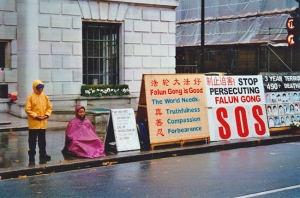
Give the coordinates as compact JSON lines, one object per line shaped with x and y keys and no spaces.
{"x":44,"y":40}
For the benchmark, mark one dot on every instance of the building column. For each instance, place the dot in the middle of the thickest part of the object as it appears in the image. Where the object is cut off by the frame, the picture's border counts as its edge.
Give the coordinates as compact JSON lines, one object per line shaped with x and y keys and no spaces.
{"x":27,"y":47}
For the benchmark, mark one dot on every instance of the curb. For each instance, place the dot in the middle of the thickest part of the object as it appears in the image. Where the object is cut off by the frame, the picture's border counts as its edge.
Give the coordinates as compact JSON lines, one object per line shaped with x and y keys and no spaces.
{"x":11,"y":129}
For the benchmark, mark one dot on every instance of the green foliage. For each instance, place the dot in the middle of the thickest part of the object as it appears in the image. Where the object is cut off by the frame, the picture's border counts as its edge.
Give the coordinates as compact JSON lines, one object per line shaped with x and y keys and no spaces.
{"x":104,"y":90}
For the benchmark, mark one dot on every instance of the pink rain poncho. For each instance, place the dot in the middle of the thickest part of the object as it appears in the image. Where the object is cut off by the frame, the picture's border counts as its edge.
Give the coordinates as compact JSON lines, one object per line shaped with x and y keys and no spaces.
{"x":82,"y":139}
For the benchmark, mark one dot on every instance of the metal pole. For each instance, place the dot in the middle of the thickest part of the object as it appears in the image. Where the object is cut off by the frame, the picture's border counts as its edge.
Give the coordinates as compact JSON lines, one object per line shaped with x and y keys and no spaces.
{"x":291,"y":58}
{"x":270,"y":49}
{"x":201,"y":68}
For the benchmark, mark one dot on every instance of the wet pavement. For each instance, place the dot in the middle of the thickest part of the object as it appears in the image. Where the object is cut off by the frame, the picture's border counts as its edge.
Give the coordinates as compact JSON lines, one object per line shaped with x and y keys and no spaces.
{"x":14,"y":147}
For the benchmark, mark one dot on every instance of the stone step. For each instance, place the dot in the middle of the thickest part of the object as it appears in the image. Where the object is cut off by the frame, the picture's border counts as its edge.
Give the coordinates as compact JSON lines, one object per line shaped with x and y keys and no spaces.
{"x":5,"y":123}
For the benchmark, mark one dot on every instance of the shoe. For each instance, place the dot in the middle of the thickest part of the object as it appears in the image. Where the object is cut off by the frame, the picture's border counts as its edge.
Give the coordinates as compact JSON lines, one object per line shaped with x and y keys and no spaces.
{"x":43,"y":161}
{"x":45,"y":157}
{"x":31,"y":159}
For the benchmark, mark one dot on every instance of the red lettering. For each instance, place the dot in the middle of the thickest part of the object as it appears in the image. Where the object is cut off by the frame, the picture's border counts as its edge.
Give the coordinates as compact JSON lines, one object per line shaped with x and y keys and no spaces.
{"x":241,"y":121}
{"x":226,"y":99}
{"x":260,"y":127}
{"x":195,"y":90}
{"x":224,"y":130}
{"x":251,"y":98}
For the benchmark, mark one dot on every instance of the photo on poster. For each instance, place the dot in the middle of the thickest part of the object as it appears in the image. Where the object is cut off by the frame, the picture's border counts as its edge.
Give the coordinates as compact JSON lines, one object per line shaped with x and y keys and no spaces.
{"x":293,"y":118}
{"x":278,"y":98}
{"x":271,"y":122}
{"x":280,"y":110}
{"x":284,"y":97}
{"x":286,"y":108}
{"x":277,"y":121}
{"x":287,"y":120}
{"x":296,"y":108}
{"x":295,"y":97}
{"x":273,"y":97}
{"x":282,"y":121}
{"x":269,"y":110}
{"x":290,"y":97}
{"x":292,"y":109}
{"x":275,"y":110}
{"x":298,"y":118}
{"x":268,"y":98}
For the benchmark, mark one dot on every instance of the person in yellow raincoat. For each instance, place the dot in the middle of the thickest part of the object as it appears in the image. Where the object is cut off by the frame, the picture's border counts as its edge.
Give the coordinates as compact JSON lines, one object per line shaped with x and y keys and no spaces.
{"x":38,"y":109}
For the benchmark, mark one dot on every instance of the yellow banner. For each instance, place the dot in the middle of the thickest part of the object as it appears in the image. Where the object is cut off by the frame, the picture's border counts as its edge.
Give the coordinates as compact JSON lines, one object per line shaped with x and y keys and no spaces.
{"x":176,"y":107}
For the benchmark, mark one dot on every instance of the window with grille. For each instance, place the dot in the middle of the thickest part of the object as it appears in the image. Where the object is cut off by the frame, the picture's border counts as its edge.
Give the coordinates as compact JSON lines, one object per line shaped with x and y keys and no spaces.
{"x":100,"y":53}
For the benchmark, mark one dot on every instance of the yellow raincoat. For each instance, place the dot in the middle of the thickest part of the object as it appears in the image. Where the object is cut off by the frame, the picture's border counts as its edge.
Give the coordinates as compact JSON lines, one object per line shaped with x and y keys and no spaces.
{"x":37,"y":105}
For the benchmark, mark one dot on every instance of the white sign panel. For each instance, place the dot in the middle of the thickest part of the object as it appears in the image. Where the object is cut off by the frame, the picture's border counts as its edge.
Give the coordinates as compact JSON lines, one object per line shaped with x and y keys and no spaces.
{"x":234,"y":90}
{"x":236,"y":107}
{"x":282,"y":93}
{"x":125,"y":131}
{"x":238,"y":122}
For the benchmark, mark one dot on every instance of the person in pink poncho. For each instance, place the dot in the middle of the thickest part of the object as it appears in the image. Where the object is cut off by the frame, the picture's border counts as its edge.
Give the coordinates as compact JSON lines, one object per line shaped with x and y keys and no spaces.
{"x":81,"y":137}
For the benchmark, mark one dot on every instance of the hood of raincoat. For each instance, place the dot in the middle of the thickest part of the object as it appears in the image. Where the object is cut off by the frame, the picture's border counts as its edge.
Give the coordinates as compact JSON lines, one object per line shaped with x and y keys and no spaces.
{"x":76,"y":112}
{"x":36,"y":83}
{"x":37,"y":104}
{"x":79,"y":107}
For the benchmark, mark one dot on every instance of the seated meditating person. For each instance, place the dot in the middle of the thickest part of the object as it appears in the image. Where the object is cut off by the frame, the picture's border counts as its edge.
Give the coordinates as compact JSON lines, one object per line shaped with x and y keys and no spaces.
{"x":81,"y":137}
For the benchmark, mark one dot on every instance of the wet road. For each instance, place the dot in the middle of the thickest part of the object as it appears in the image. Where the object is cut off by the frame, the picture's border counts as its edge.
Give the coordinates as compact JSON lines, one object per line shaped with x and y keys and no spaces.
{"x":231,"y":173}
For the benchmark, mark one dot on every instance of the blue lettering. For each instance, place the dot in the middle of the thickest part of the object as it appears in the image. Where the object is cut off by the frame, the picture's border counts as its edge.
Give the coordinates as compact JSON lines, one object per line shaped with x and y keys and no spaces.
{"x":193,"y":99}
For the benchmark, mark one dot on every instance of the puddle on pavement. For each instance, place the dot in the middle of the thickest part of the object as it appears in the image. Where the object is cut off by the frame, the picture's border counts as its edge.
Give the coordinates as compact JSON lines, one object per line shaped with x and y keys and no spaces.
{"x":14,"y":146}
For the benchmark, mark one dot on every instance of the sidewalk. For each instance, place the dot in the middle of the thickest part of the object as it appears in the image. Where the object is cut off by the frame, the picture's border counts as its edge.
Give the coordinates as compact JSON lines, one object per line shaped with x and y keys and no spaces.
{"x":14,"y":147}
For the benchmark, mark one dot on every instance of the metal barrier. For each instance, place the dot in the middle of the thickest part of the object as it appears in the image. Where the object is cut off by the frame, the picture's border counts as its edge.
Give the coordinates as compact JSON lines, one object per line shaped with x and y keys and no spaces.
{"x":186,"y":69}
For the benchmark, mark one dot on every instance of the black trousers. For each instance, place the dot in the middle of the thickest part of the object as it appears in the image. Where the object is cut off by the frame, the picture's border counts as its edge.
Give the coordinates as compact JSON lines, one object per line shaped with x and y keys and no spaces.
{"x":33,"y":135}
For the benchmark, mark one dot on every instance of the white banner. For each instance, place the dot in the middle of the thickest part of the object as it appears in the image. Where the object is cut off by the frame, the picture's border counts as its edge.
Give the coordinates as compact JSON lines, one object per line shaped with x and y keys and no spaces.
{"x":236,"y":107}
{"x":234,"y":90}
{"x":238,"y":122}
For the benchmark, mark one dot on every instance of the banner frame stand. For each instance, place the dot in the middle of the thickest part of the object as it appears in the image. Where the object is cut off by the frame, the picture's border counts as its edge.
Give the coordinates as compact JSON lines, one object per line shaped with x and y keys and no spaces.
{"x":279,"y":129}
{"x":142,"y":116}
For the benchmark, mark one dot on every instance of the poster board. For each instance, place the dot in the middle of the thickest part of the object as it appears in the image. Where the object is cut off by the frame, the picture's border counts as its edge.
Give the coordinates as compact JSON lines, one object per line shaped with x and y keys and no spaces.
{"x":122,"y":130}
{"x":172,"y":106}
{"x":236,"y":107}
{"x":282,"y":93}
